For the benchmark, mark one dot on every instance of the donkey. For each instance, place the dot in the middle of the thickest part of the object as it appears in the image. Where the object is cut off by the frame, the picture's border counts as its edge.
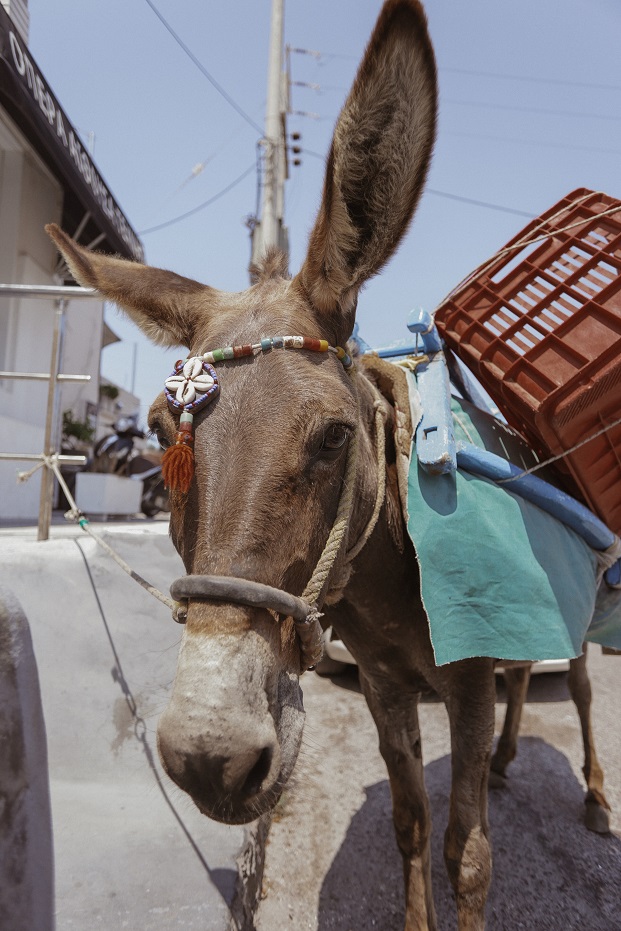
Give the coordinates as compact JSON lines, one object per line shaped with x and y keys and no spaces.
{"x":292,"y":427}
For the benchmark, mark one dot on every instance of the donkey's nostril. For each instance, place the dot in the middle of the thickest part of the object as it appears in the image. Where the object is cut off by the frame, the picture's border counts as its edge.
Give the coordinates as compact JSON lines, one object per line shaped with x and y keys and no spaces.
{"x":243,"y":773}
{"x":258,"y":773}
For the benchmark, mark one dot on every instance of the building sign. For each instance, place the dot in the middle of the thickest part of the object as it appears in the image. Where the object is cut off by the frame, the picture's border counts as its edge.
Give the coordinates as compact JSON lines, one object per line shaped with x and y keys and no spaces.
{"x":30,"y":102}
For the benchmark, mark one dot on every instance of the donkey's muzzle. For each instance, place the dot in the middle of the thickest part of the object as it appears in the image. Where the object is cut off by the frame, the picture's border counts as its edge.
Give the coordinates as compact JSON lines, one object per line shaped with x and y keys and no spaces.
{"x":226,"y":775}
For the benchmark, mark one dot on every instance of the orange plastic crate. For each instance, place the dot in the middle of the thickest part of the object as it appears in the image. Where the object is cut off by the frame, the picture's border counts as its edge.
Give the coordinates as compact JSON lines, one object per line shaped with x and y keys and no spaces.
{"x":541,"y":329}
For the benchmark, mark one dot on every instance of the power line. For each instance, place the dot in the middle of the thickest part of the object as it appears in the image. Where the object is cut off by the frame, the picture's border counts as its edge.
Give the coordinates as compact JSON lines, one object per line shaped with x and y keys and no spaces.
{"x":206,"y":203}
{"x":565,"y":146}
{"x":203,"y":70}
{"x":543,"y":110}
{"x":531,"y":79}
{"x":314,"y":154}
{"x":322,"y":56}
{"x":200,"y":166}
{"x":480,"y":203}
{"x":465,"y":200}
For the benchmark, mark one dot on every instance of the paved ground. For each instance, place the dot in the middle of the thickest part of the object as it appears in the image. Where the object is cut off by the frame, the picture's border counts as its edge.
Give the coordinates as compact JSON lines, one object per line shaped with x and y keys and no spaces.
{"x":332,"y":861}
{"x":130,"y":850}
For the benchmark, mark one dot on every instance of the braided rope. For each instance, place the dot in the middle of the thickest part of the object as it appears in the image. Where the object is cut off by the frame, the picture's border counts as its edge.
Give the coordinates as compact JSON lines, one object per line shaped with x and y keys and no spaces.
{"x":562,"y":455}
{"x":327,"y":559}
{"x":51,"y":462}
{"x":380,"y":444}
{"x":173,"y":605}
{"x":45,"y":461}
{"x":331,"y":550}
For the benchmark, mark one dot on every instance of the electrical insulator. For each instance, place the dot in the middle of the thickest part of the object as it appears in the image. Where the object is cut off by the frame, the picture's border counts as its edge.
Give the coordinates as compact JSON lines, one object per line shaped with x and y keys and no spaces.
{"x":296,"y":136}
{"x":296,"y":149}
{"x":297,"y":161}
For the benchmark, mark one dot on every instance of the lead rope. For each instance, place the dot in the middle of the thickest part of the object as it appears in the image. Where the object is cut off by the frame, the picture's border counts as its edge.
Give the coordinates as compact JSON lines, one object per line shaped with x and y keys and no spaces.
{"x":309,"y":631}
{"x":51,"y":462}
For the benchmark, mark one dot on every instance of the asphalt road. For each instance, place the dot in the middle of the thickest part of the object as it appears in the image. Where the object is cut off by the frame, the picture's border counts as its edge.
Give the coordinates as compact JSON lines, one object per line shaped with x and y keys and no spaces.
{"x":332,"y":861}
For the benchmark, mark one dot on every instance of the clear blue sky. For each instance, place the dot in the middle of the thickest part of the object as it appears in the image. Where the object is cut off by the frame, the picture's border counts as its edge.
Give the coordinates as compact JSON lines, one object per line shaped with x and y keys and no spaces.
{"x":529,"y":110}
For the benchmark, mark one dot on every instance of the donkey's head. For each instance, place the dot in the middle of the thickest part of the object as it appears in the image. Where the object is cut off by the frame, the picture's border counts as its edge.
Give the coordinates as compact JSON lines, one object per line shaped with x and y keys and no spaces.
{"x":271,"y":449}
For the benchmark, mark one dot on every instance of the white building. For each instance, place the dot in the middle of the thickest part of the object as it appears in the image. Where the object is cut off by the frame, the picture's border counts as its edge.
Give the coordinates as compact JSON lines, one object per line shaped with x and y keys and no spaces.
{"x":45,"y":176}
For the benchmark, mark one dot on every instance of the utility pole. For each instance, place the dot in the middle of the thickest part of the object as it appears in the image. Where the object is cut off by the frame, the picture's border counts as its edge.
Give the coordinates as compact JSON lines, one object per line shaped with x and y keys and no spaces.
{"x":270,"y":229}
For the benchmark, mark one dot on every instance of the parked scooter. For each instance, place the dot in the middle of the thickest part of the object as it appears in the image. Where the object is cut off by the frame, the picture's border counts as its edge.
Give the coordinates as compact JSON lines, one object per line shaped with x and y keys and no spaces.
{"x":115,"y":454}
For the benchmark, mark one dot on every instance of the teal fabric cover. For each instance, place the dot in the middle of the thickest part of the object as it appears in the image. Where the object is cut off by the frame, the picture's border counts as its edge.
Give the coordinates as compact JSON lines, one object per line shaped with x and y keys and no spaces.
{"x":499,"y":576}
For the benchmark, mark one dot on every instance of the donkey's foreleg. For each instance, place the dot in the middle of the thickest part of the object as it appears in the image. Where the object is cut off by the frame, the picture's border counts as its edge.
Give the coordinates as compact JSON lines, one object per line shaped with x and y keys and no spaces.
{"x":596,"y":816}
{"x":467,"y":849}
{"x":516,"y":680}
{"x":396,"y":716}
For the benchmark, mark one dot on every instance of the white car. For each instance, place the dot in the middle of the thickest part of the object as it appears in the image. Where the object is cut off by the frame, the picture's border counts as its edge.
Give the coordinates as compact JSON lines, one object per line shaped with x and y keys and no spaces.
{"x":337,"y":656}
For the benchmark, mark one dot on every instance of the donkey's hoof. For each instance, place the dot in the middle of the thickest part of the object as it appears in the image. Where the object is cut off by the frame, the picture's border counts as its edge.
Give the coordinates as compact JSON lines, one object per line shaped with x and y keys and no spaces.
{"x":496,"y":780}
{"x":596,"y":818}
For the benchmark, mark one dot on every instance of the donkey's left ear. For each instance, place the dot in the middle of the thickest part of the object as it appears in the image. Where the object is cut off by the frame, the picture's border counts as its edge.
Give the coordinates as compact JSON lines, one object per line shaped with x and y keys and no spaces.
{"x":167,"y":307}
{"x":377,"y":163}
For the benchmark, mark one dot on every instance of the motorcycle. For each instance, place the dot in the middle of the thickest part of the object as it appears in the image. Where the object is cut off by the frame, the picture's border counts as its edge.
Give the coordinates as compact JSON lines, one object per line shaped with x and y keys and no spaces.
{"x":115,"y":454}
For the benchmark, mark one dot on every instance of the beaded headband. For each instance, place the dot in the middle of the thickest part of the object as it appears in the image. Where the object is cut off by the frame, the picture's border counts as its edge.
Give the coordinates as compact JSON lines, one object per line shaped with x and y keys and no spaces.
{"x":194,"y":383}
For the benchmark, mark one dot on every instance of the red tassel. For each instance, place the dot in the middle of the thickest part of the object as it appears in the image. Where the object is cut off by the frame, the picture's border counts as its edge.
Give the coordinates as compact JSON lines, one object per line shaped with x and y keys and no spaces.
{"x":178,"y":463}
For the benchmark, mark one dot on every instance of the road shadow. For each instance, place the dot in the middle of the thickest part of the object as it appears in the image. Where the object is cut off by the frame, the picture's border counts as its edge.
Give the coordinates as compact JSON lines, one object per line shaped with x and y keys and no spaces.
{"x":549,"y":874}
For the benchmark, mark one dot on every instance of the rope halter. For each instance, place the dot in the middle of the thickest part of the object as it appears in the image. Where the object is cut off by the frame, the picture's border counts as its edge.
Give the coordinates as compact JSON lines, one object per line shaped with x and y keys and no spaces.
{"x":194,"y":384}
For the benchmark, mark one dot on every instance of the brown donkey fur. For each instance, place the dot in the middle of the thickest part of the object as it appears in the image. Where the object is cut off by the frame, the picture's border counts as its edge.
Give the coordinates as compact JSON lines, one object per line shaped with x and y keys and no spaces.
{"x":270,"y":459}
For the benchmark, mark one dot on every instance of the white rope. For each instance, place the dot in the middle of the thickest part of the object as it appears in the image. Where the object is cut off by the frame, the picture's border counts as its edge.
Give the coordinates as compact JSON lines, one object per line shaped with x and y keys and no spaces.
{"x":51,"y":462}
{"x":546,"y":462}
{"x":331,"y":550}
{"x":128,"y":569}
{"x":464,"y":427}
{"x":562,"y":455}
{"x":522,"y":243}
{"x":380,"y":451}
{"x":327,"y":559}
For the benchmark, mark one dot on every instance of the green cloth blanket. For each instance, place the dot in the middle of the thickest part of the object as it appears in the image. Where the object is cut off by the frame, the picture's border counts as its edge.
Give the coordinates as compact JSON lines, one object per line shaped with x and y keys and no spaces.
{"x":499,"y":576}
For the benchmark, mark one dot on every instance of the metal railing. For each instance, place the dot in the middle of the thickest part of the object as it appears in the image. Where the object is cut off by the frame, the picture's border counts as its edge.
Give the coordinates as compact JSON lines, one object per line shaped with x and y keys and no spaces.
{"x":54,"y":378}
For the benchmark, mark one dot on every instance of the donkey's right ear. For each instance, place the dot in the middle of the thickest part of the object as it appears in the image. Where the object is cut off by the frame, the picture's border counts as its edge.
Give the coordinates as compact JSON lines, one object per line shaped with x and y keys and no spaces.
{"x":167,"y":307}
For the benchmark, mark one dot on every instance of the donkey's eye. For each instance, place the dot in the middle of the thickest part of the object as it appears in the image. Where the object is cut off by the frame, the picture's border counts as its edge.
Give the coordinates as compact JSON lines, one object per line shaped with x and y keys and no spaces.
{"x":334,"y":438}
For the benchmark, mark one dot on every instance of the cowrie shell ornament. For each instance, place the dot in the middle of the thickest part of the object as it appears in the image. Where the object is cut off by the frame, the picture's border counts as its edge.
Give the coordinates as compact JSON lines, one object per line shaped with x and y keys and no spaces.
{"x":192,"y":385}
